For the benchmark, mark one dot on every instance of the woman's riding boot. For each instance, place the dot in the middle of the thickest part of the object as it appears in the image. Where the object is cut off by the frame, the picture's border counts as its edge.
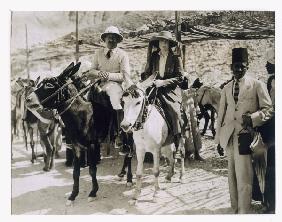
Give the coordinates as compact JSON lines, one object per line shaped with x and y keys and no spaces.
{"x":178,"y":142}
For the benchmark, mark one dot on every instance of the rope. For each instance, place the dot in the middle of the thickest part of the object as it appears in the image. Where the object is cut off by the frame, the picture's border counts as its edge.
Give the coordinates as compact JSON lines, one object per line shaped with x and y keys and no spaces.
{"x":76,"y":96}
{"x":200,"y":102}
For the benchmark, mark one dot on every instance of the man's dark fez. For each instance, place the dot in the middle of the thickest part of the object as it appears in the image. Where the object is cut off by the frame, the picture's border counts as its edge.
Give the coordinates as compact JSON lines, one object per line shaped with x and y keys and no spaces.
{"x":239,"y":55}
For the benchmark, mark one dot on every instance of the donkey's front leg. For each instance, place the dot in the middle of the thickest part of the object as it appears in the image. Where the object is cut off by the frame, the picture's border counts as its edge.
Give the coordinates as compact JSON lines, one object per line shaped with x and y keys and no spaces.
{"x":129,"y":172}
{"x":95,"y":186}
{"x":32,"y":144}
{"x":123,"y":171}
{"x":76,"y":175}
{"x":156,"y":170}
{"x":140,"y":160}
{"x":48,"y":150}
{"x":52,"y":157}
{"x":182,"y":170}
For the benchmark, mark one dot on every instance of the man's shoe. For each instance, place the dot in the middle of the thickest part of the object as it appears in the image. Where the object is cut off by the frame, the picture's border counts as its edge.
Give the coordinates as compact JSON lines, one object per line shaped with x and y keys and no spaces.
{"x":118,"y":142}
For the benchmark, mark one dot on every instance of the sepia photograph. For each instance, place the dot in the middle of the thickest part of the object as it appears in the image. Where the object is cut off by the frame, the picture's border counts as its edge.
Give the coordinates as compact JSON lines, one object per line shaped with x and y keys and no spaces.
{"x":142,"y":112}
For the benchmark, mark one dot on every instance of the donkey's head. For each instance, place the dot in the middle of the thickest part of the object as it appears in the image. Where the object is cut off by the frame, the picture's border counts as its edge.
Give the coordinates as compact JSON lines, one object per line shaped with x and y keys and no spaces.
{"x":51,"y":92}
{"x":197,"y":84}
{"x":133,"y":101}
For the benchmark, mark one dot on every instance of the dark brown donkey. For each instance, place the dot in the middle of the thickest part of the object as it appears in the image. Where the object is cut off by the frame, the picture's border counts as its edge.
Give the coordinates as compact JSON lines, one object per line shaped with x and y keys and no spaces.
{"x":61,"y":94}
{"x":208,"y":99}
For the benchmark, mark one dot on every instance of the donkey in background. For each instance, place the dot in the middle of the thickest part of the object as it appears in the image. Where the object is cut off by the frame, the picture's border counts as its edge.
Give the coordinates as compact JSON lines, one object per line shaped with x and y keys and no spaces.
{"x":49,"y":128}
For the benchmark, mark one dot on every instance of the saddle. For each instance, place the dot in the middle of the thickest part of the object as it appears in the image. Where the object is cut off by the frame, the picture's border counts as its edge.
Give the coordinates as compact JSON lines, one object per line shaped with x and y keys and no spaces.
{"x":104,"y":115}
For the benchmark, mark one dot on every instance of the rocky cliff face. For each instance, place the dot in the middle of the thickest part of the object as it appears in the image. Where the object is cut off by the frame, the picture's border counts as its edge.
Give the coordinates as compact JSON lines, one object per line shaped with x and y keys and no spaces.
{"x":209,"y":38}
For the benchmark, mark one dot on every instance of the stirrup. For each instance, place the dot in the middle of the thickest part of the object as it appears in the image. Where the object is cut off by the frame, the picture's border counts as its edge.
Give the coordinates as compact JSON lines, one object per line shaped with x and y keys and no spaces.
{"x":178,"y":155}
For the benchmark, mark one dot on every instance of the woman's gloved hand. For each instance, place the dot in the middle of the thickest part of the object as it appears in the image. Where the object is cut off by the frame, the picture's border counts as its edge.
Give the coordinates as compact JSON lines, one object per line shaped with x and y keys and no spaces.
{"x":160,"y":83}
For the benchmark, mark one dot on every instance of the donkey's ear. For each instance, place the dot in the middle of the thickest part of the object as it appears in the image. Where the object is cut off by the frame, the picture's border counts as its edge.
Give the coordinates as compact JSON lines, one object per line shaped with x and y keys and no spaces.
{"x":66,"y":72}
{"x":37,"y":80}
{"x":75,"y":69}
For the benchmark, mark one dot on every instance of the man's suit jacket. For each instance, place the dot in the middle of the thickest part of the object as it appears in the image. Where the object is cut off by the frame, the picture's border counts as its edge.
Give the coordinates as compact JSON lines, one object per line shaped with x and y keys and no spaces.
{"x":253,"y":98}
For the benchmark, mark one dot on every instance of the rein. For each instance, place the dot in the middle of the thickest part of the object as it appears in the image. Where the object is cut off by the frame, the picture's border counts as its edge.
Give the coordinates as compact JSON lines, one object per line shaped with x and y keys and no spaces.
{"x":75,"y":97}
{"x":200,"y":102}
{"x":144,"y":112}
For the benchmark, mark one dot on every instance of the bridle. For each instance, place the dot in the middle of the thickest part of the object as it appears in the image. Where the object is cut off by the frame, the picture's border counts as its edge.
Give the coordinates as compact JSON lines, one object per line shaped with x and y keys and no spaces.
{"x":71,"y":100}
{"x":144,"y":111}
{"x":69,"y":81}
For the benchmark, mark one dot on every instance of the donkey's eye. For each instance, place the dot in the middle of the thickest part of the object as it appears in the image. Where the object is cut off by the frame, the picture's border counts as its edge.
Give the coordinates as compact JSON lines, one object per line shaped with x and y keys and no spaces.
{"x":48,"y":86}
{"x":138,"y":103}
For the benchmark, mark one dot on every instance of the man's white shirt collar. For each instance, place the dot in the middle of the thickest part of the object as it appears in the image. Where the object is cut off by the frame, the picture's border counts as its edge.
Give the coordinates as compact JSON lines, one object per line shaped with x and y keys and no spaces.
{"x":113,"y":50}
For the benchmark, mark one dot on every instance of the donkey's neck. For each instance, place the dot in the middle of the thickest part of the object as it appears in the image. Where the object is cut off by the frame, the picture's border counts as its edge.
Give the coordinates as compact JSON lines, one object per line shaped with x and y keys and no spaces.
{"x":155,"y":126}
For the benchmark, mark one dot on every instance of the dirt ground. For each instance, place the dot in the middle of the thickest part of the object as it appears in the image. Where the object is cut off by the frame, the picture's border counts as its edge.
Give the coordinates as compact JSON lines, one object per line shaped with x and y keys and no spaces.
{"x":204,"y":189}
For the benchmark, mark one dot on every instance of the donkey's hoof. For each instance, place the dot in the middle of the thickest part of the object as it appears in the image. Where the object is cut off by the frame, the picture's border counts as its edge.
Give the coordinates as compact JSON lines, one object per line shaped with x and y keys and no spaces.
{"x":129,"y":184}
{"x":122,"y":174}
{"x":180,"y":180}
{"x":91,"y":199}
{"x":156,"y":193}
{"x":119,"y":178}
{"x":199,"y":158}
{"x":167,"y":179}
{"x":46,"y":169}
{"x":132,"y":202}
{"x":69,"y":203}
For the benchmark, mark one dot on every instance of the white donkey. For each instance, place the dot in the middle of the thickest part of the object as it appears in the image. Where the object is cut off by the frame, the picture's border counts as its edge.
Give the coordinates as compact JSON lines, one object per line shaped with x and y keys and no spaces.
{"x":150,"y":134}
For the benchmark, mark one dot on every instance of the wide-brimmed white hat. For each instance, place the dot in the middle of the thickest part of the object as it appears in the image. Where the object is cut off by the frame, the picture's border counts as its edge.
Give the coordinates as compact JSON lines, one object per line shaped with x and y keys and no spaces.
{"x":112,"y":30}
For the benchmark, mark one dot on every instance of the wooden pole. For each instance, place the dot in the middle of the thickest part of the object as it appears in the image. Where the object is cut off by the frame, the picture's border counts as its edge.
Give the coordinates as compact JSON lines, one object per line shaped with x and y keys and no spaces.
{"x":27,"y":52}
{"x":11,"y":24}
{"x":177,"y":26}
{"x":178,"y":35}
{"x":11,"y":43}
{"x":76,"y":35}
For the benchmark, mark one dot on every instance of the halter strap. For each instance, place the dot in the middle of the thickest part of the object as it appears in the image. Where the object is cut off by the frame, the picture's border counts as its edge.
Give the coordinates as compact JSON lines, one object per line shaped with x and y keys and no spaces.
{"x":69,"y":81}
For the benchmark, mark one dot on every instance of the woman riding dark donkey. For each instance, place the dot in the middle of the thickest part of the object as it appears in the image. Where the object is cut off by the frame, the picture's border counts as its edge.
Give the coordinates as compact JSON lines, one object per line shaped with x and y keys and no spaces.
{"x":164,"y":61}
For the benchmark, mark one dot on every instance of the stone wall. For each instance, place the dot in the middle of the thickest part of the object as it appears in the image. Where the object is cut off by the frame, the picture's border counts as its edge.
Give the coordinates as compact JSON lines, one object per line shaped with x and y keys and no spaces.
{"x":210,"y":60}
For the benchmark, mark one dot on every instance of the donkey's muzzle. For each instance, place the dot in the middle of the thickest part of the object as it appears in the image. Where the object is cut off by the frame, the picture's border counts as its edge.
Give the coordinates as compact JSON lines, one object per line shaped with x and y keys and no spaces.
{"x":125,"y":126}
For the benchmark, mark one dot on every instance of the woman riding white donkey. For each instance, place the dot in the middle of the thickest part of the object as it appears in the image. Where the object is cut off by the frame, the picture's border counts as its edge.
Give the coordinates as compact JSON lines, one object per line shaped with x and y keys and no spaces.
{"x":163,"y":71}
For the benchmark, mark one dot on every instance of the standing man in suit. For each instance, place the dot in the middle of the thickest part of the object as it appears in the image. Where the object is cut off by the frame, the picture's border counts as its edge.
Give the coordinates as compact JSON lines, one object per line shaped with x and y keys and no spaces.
{"x":244,"y":103}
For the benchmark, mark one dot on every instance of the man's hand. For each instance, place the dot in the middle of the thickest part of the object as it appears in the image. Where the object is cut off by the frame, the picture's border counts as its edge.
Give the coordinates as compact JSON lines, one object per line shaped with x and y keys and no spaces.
{"x":247,"y":121}
{"x":103,"y":75}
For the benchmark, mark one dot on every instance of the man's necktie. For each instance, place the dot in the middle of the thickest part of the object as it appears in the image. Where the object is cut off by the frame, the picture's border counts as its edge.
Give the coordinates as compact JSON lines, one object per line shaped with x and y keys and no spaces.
{"x":108,"y":55}
{"x":236,"y":91}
